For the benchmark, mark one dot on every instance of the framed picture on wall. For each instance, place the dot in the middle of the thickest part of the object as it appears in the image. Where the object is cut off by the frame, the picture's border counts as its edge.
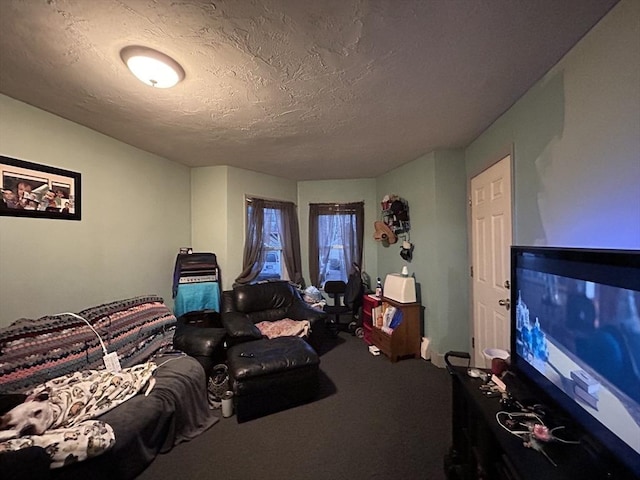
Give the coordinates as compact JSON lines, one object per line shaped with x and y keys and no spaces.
{"x":39,"y":191}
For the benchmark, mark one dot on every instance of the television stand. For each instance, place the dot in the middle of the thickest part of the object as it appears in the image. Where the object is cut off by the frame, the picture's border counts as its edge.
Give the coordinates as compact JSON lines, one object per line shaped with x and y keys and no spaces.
{"x":482,"y":449}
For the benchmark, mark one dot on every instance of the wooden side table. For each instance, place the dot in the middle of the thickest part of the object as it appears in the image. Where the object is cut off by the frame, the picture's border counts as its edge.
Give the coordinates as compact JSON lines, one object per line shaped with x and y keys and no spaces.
{"x":405,"y":339}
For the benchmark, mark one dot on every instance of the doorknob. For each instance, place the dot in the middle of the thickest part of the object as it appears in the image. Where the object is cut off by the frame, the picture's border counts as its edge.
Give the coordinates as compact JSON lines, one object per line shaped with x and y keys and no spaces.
{"x":506,"y":303}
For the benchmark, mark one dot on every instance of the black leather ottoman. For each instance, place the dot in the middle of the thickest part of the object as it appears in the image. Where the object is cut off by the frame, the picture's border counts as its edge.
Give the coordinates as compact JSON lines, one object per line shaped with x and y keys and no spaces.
{"x":270,"y":375}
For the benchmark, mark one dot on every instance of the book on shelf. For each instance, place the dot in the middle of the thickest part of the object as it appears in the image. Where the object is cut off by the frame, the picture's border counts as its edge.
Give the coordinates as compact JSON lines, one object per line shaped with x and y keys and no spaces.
{"x":388,"y":315}
{"x":376,"y":316}
{"x":396,"y":320}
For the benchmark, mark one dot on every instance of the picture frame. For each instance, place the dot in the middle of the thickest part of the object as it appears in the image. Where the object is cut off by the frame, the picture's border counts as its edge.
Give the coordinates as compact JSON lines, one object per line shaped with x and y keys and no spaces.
{"x":39,"y":191}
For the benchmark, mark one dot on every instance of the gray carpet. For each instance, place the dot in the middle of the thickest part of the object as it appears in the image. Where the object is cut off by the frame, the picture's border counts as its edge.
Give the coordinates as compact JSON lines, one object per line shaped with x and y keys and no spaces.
{"x":373,"y":420}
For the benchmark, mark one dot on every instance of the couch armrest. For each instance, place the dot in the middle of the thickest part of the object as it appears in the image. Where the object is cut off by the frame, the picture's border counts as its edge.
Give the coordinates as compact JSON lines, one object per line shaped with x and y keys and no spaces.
{"x":198,"y":341}
{"x":302,"y":311}
{"x":240,"y":327}
{"x":228,"y":302}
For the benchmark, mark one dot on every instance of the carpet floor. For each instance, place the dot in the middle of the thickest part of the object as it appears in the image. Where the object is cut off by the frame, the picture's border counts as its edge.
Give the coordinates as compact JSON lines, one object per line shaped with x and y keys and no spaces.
{"x":373,"y":420}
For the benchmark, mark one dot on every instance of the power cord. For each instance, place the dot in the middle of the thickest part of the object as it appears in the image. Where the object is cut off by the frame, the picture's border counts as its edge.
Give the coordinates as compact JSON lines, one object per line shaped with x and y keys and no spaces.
{"x":529,"y":427}
{"x":111,"y":361}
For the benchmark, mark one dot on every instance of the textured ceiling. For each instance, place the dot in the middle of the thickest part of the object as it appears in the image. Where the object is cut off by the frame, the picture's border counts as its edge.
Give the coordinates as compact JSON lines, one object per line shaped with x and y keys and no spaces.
{"x":303,"y":89}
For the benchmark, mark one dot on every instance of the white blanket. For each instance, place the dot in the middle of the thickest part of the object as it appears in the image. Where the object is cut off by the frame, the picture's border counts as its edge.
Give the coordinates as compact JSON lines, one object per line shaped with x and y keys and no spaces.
{"x":75,"y":399}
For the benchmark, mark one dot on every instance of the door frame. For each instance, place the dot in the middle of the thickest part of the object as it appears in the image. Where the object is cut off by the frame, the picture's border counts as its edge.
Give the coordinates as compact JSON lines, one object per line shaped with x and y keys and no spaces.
{"x":493,"y":160}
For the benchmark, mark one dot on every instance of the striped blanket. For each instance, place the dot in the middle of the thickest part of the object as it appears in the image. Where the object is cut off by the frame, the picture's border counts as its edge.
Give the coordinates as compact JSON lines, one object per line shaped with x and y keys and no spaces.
{"x":33,"y":351}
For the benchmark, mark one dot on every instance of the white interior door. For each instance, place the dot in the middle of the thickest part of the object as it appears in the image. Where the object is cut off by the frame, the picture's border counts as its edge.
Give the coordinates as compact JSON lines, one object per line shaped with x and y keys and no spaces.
{"x":490,"y":239}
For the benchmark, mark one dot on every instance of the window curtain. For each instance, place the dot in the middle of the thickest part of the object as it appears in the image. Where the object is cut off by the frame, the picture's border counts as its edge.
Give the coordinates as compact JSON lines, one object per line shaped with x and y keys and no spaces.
{"x":258,"y":231}
{"x":253,"y":258}
{"x":290,"y":239}
{"x":325,"y":219}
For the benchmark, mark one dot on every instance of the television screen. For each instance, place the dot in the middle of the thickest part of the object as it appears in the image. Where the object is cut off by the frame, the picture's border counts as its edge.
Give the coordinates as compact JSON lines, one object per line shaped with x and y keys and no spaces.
{"x":576,"y":335}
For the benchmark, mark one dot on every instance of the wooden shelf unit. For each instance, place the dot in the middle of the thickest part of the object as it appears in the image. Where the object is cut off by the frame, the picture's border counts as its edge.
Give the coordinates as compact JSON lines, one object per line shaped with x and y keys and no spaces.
{"x":369,"y":302}
{"x":405,"y":339}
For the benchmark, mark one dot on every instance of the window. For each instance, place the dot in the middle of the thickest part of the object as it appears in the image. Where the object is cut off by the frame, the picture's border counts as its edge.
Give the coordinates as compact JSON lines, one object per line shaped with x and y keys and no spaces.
{"x":272,"y":268}
{"x":272,"y":242}
{"x":336,"y":233}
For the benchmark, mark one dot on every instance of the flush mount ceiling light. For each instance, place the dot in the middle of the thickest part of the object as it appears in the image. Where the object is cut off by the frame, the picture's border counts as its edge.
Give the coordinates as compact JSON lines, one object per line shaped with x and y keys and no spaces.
{"x":152,"y":67}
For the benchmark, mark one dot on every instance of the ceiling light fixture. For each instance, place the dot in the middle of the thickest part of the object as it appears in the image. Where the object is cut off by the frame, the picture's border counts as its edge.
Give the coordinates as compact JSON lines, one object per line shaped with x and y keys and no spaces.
{"x":152,"y":67}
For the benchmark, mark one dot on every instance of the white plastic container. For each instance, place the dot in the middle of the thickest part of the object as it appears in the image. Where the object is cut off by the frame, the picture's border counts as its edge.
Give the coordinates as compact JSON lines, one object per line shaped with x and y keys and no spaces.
{"x":400,"y":288}
{"x":227,"y":404}
{"x":491,"y":353}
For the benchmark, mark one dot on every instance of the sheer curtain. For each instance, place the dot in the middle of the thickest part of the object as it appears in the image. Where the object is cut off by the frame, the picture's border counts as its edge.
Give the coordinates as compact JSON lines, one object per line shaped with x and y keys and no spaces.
{"x":331,"y":221}
{"x":258,"y":235}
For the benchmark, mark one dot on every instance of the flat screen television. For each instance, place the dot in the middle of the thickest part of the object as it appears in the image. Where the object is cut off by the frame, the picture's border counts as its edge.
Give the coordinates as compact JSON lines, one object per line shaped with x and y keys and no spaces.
{"x":575,"y":336}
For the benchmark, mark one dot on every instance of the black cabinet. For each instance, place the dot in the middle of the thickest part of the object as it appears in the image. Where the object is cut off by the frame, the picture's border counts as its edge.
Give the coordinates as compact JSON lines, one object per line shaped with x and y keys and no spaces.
{"x":482,"y":449}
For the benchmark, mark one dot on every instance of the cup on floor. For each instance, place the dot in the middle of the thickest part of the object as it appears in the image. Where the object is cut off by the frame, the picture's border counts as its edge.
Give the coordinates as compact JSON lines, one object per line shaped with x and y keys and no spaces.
{"x":227,"y":404}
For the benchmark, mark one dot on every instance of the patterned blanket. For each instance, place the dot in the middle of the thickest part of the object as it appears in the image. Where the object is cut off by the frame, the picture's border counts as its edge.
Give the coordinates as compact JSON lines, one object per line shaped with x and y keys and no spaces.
{"x":285,"y":328}
{"x":33,"y":351}
{"x":68,"y":445}
{"x":74,"y":400}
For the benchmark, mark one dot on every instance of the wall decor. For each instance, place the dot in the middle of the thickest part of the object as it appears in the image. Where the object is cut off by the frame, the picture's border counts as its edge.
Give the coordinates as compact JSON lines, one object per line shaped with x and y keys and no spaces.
{"x":38,"y":191}
{"x":395,"y":225}
{"x":395,"y":213}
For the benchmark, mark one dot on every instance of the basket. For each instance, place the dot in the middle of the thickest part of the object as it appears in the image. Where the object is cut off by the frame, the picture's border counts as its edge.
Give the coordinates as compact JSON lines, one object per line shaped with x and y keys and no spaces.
{"x":218,"y":382}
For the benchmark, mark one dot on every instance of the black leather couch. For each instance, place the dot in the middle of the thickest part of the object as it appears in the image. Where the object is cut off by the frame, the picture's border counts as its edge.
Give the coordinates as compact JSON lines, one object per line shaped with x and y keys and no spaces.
{"x":246,"y":305}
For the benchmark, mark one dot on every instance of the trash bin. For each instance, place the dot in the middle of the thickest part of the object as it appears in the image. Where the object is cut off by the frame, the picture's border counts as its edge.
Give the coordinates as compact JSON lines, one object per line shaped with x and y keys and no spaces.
{"x":491,"y":353}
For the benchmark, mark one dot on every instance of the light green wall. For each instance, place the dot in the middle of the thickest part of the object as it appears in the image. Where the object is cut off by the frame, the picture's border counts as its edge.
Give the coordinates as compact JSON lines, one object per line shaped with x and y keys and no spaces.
{"x":135,"y":216}
{"x":210,"y":213}
{"x":576,"y":140}
{"x":218,"y":211}
{"x":576,"y":144}
{"x":246,"y":183}
{"x":434,"y":185}
{"x":339,"y":191}
{"x":452,"y":275}
{"x":415,"y":182}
